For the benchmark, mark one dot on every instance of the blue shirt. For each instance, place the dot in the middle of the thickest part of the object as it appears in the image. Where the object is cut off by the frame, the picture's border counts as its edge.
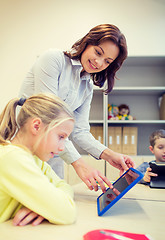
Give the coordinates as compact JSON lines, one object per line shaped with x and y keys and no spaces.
{"x":58,"y":74}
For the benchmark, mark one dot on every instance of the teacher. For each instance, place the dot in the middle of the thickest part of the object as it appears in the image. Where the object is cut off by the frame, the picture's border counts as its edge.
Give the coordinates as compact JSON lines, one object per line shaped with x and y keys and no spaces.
{"x":70,"y":75}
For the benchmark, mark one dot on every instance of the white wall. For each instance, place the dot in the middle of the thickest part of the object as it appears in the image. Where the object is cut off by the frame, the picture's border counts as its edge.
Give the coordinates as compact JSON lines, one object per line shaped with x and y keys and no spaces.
{"x":27,"y":28}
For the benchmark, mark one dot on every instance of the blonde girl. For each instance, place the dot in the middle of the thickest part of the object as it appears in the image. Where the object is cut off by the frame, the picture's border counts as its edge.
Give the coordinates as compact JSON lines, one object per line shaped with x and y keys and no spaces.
{"x":30,"y":191}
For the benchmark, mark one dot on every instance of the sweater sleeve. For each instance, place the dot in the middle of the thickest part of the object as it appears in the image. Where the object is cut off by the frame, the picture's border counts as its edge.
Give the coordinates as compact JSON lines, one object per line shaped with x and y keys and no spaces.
{"x":37,"y":187}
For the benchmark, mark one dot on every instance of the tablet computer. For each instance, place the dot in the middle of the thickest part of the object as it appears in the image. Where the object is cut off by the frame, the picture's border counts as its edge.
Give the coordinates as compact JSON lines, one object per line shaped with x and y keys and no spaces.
{"x":120,"y":187}
{"x":159,"y":168}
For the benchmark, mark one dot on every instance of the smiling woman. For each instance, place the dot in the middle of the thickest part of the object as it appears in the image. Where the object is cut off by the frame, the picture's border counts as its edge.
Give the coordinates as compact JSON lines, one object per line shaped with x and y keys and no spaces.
{"x":103,"y":33}
{"x":69,"y":74}
{"x":97,"y":58}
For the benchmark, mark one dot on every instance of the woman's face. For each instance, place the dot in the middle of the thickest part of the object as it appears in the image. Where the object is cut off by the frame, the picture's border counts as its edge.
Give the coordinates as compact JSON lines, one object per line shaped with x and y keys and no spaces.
{"x":97,"y":58}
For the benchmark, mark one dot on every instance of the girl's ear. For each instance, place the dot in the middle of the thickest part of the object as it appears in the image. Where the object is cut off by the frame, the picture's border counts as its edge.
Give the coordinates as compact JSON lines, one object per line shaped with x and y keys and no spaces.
{"x":36,"y":125}
{"x":151,"y":149}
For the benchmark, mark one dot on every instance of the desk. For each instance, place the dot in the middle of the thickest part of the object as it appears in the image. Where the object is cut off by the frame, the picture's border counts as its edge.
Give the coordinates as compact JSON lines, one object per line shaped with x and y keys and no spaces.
{"x":141,"y":210}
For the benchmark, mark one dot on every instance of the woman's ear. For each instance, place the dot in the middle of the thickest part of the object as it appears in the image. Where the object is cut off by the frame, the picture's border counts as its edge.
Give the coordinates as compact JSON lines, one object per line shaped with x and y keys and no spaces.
{"x":151,"y":149}
{"x":36,"y":125}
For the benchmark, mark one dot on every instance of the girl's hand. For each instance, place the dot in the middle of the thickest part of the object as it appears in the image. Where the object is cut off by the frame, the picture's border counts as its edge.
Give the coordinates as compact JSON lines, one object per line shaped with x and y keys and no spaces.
{"x":25,"y":216}
{"x":149,"y":174}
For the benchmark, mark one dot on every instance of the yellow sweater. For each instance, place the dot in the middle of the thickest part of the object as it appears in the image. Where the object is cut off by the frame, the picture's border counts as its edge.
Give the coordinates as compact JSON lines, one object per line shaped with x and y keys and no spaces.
{"x":27,"y":181}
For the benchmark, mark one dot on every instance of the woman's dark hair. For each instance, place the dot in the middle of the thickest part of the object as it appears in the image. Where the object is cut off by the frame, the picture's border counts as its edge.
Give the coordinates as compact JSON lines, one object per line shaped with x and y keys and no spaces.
{"x":94,"y":37}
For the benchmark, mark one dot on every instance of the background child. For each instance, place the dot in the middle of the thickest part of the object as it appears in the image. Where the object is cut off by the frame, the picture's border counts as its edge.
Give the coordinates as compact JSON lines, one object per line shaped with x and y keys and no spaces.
{"x":157,"y":147}
{"x":29,"y":189}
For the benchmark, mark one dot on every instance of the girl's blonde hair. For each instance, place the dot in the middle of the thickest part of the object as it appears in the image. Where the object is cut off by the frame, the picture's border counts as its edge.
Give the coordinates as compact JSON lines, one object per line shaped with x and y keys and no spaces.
{"x":49,"y":108}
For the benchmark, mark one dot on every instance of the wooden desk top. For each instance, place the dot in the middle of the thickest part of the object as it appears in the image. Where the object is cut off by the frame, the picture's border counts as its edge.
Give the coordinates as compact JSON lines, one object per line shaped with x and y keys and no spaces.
{"x":142,"y":210}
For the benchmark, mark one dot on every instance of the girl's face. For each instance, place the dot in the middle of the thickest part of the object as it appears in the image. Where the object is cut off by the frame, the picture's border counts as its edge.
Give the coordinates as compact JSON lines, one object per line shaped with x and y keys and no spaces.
{"x":159,"y":150}
{"x":54,"y":141}
{"x":97,"y":58}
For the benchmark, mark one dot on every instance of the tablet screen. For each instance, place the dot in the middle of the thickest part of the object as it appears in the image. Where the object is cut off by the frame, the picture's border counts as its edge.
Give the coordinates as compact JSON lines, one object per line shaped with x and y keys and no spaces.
{"x":121,"y":186}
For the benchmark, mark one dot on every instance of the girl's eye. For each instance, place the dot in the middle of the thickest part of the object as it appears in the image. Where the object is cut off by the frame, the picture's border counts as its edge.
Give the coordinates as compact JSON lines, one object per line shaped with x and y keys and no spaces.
{"x":61,"y":137}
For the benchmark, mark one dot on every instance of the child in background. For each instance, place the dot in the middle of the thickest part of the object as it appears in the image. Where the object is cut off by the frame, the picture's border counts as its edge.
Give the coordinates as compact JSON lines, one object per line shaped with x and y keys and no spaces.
{"x":30,"y":191}
{"x":157,"y":147}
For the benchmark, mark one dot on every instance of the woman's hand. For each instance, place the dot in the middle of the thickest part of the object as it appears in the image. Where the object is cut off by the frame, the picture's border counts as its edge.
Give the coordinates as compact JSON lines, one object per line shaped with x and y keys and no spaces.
{"x":117,"y":160}
{"x":148,"y":174}
{"x":90,"y":176}
{"x":25,"y":216}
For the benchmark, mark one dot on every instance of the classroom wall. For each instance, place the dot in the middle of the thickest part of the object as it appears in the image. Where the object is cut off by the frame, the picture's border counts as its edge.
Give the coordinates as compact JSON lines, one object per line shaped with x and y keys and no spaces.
{"x":27,"y":28}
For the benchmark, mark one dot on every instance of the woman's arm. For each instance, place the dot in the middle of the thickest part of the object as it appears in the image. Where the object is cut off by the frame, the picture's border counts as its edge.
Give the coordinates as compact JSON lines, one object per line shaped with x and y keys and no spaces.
{"x":117,"y":160}
{"x":90,"y":176}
